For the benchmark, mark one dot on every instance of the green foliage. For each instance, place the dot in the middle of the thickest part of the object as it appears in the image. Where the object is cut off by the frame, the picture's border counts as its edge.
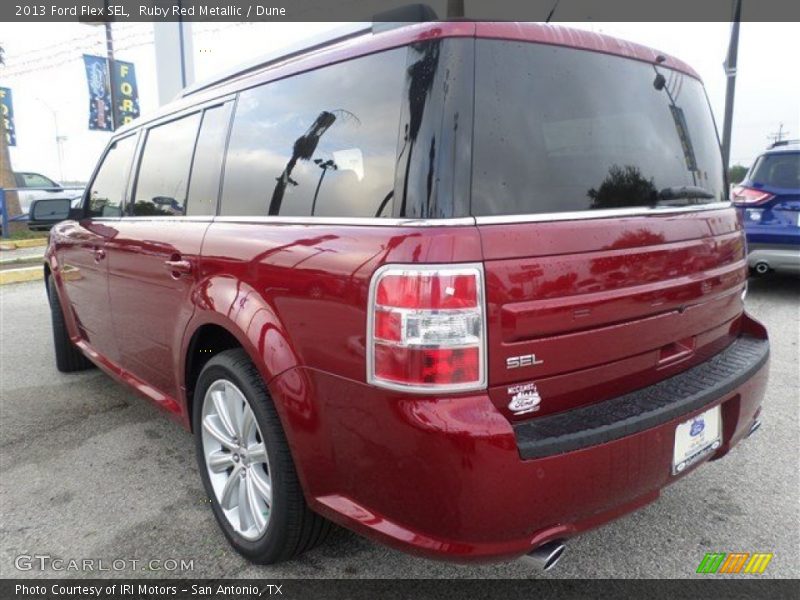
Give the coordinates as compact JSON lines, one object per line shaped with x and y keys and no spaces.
{"x":736,"y":173}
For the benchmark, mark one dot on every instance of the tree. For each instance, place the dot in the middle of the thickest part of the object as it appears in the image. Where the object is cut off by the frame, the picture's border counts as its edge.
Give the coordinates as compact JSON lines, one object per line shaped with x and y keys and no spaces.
{"x":736,"y":173}
{"x":7,"y":176}
{"x":624,"y":187}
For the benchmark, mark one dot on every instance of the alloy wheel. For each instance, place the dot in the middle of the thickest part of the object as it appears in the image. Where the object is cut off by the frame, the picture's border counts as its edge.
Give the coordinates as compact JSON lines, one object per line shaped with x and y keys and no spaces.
{"x":236,"y":459}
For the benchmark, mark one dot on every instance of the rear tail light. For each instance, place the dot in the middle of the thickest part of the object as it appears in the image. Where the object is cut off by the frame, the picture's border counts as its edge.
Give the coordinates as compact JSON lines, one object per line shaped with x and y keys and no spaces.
{"x":748,"y":196}
{"x":426,"y":328}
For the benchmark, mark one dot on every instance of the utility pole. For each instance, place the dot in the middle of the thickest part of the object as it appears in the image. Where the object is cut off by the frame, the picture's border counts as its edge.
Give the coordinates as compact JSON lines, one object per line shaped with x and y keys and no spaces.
{"x":110,"y":70}
{"x":730,"y":73}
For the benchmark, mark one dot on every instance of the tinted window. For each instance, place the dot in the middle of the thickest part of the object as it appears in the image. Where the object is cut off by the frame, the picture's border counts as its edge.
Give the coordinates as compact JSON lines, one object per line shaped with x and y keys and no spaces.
{"x":321,"y":143}
{"x":559,"y":129}
{"x":777,"y":170}
{"x":207,"y":165}
{"x":164,"y":170}
{"x":108,"y":188}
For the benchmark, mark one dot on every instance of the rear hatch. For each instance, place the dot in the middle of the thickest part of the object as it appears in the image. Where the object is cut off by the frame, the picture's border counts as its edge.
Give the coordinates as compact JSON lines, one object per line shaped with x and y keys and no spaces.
{"x":612,"y":258}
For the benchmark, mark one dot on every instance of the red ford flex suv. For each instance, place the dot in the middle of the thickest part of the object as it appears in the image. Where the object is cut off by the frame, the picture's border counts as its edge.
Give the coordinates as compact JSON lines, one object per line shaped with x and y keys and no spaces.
{"x":468,"y":289}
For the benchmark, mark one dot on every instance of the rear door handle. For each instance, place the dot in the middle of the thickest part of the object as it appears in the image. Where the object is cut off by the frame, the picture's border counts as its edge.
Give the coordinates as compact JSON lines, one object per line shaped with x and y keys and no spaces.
{"x":178,"y":267}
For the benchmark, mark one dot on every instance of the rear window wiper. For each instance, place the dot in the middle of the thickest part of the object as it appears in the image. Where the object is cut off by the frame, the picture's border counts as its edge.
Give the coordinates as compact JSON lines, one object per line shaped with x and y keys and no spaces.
{"x":684,"y":192}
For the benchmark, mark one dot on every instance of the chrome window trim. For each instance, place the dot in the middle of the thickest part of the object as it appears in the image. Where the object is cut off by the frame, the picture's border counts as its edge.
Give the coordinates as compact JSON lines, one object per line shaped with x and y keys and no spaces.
{"x":176,"y":112}
{"x":168,"y":218}
{"x":362,"y":221}
{"x":481,"y":220}
{"x":483,"y":348}
{"x":605,"y":213}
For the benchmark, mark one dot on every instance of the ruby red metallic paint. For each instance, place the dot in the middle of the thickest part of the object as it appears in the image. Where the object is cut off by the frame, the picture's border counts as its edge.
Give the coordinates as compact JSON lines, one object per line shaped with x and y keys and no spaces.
{"x":439,"y":475}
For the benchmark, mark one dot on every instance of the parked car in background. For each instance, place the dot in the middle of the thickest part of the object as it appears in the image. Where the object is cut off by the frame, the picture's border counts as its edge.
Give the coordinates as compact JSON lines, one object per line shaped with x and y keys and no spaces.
{"x":469,"y":289}
{"x":769,"y":201}
{"x":35,"y":186}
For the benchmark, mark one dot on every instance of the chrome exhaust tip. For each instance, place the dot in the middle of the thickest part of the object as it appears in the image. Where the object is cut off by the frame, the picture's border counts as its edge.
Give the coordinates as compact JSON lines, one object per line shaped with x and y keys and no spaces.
{"x":754,"y":427}
{"x":546,"y":556}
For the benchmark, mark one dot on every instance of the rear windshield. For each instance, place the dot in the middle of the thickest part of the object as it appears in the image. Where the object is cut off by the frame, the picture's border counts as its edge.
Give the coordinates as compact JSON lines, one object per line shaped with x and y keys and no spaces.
{"x":777,"y":170}
{"x":559,"y":129}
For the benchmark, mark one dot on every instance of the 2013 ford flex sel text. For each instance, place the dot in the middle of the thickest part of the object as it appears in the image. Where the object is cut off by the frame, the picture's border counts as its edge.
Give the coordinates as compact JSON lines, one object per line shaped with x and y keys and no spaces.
{"x":468,"y":289}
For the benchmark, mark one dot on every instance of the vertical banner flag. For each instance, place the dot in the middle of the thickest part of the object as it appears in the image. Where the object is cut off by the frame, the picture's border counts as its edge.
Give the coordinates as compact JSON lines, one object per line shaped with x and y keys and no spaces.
{"x":7,"y":114}
{"x":125,"y":92}
{"x":99,"y":93}
{"x":102,"y":116}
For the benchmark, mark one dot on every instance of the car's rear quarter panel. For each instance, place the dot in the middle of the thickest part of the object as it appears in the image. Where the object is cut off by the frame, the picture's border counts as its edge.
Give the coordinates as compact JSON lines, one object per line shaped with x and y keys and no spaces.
{"x":296,"y":297}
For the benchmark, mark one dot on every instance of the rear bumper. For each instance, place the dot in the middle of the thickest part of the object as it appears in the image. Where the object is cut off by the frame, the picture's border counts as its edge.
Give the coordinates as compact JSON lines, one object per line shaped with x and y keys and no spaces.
{"x":695,"y":389}
{"x":781,"y":259}
{"x":447,"y":477}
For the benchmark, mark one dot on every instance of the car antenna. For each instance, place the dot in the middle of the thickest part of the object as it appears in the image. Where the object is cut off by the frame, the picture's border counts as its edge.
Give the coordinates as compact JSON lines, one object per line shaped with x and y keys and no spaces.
{"x":552,"y":10}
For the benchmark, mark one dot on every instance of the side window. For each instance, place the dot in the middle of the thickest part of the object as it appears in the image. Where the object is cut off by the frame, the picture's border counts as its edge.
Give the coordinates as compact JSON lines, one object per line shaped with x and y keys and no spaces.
{"x":35,"y":180}
{"x":108,"y":188}
{"x":163,"y":178}
{"x":207,"y":165}
{"x":321,"y":143}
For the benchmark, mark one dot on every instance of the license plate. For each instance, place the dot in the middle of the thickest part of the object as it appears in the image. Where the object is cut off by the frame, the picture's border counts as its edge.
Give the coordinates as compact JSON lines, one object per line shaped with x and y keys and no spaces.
{"x":696,"y":438}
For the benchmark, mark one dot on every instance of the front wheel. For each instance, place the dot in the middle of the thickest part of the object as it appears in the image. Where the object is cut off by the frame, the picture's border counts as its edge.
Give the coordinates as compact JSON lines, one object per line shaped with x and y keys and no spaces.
{"x":245,"y":464}
{"x":68,"y":357}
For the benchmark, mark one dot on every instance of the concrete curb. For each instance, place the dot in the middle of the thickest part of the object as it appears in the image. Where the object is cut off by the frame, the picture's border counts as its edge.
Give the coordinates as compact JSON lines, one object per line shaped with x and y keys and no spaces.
{"x":21,"y":275}
{"x":35,"y":259}
{"x":15,"y":244}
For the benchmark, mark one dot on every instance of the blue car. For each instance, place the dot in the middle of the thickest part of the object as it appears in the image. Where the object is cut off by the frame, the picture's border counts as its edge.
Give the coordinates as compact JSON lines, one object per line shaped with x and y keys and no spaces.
{"x":769,"y":200}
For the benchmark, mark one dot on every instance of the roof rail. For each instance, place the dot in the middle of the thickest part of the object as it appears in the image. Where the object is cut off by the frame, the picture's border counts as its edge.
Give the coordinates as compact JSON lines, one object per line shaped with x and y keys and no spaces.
{"x":780,"y":143}
{"x":402,"y":15}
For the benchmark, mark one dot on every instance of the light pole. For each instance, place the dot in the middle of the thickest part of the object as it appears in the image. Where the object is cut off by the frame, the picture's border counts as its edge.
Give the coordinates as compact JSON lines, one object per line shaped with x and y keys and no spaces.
{"x":730,"y":73}
{"x":324,"y":165}
{"x":110,"y":57}
{"x":109,"y":63}
{"x":59,"y":139}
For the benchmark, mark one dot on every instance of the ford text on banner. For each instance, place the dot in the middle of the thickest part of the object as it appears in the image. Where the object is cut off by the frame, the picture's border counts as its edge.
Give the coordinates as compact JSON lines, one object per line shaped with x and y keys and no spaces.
{"x":126,"y":93}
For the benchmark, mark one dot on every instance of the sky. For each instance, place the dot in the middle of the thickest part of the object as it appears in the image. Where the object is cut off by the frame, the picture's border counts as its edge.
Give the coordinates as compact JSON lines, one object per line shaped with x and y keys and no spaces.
{"x":46,"y":74}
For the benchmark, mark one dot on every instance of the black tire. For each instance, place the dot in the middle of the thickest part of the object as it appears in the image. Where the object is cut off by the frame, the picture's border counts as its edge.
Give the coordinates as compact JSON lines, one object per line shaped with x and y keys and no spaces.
{"x":293,"y":527}
{"x":68,"y":357}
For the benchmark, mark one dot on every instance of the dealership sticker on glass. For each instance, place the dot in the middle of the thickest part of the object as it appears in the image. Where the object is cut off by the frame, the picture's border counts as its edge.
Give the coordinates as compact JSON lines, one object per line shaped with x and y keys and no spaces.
{"x":696,"y":439}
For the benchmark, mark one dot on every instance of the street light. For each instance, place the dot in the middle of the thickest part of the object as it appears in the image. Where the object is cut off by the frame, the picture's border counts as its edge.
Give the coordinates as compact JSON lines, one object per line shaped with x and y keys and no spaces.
{"x":59,"y":139}
{"x":324,"y":165}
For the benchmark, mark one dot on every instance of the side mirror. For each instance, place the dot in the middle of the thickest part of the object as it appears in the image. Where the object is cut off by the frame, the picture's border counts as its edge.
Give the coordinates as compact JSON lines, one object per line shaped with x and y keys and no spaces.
{"x":48,"y":212}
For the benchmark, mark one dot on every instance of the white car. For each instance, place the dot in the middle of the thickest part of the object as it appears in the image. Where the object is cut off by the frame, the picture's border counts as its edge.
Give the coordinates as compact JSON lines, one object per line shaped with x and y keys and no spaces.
{"x":35,"y":186}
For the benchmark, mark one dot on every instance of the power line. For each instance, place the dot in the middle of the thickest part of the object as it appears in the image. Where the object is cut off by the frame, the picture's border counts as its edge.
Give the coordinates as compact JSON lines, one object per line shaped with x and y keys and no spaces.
{"x":66,"y":46}
{"x":75,"y":53}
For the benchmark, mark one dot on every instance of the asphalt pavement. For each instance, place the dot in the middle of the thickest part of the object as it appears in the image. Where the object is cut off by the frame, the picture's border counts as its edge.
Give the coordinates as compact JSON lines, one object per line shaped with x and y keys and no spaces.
{"x":90,"y":471}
